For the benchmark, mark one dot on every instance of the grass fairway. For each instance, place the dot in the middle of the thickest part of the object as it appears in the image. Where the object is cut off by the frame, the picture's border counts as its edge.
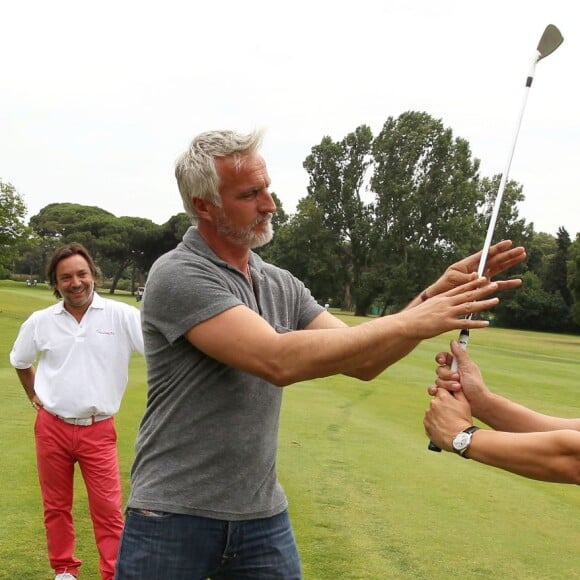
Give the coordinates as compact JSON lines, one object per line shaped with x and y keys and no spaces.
{"x":367,"y":499}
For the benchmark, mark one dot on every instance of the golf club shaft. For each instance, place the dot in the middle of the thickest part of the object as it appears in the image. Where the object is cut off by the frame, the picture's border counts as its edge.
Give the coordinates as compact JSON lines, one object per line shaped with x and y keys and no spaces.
{"x":464,"y":334}
{"x":549,"y":42}
{"x":464,"y":338}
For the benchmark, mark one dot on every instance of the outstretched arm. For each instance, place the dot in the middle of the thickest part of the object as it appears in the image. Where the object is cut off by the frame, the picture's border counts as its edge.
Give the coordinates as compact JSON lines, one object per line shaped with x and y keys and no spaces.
{"x":242,"y":339}
{"x":548,"y":456}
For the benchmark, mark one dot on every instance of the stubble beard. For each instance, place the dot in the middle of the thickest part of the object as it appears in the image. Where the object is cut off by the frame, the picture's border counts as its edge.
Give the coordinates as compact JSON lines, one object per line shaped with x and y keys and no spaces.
{"x":78,"y":301}
{"x":247,"y":237}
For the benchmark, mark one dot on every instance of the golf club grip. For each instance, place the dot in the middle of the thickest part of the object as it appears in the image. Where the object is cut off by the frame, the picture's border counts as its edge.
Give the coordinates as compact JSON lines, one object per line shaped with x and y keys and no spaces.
{"x":463,"y":341}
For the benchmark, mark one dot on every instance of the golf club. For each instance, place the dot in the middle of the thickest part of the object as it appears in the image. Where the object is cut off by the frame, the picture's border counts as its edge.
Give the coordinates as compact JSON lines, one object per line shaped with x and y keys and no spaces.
{"x":550,"y":41}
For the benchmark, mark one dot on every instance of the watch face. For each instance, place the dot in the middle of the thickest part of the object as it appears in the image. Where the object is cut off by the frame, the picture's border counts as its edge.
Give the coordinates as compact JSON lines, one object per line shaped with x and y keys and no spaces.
{"x":461,"y":441}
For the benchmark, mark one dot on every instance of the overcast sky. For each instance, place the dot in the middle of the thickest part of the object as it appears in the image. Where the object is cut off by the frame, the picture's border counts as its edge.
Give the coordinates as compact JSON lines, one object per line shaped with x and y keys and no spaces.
{"x":97,"y":100}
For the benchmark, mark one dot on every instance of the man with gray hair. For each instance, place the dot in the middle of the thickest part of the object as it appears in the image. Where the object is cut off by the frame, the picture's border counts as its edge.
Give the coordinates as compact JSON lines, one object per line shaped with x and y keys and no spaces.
{"x":223,"y":331}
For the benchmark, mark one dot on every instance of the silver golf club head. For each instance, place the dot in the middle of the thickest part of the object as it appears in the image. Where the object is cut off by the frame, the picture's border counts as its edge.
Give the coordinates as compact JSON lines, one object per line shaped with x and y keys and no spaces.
{"x":550,"y":41}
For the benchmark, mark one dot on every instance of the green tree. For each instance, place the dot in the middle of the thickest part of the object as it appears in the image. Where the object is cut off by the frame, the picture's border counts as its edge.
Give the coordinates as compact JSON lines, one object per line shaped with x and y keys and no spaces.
{"x":574,"y":278}
{"x":308,"y":249}
{"x":509,"y":225}
{"x":13,"y":230}
{"x":556,"y":278}
{"x":540,"y":248}
{"x":337,"y":173}
{"x":427,"y":196}
{"x":115,"y":243}
{"x":280,"y":217}
{"x":132,"y":243}
{"x":33,"y":255}
{"x":73,"y":222}
{"x":532,"y":308}
{"x":172,"y":232}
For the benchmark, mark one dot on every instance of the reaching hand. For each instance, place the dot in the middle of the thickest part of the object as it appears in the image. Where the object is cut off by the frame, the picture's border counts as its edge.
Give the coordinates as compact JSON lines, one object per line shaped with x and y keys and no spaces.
{"x":467,"y":378}
{"x":447,"y":311}
{"x":501,"y":256}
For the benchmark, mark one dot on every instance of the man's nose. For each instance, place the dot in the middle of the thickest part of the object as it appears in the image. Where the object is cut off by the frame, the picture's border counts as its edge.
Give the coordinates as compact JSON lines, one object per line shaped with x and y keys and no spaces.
{"x":267,"y":203}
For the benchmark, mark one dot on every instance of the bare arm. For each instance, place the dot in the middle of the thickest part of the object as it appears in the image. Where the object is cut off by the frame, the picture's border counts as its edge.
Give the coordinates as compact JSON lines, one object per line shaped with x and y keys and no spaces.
{"x":369,"y":371}
{"x":505,"y":415}
{"x":26,"y":377}
{"x":547,"y":456}
{"x":496,"y":411}
{"x":525,"y":442}
{"x":240,"y":338}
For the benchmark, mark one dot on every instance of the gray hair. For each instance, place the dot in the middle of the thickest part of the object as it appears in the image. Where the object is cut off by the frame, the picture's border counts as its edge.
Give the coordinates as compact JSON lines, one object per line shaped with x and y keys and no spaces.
{"x":195,"y":169}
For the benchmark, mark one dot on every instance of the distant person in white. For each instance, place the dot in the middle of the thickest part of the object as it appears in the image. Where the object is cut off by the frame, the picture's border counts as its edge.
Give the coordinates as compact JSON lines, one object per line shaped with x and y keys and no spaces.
{"x":85,"y":343}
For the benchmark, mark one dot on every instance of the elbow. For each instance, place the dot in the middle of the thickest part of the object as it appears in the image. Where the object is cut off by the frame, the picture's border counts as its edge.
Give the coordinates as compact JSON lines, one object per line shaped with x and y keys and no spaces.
{"x":287,"y":377}
{"x":575,"y":472}
{"x":280,"y":375}
{"x":283,"y":366}
{"x":570,"y":456}
{"x":570,"y":474}
{"x":281,"y":380}
{"x":366,"y":372}
{"x":572,"y":445}
{"x":365,"y":375}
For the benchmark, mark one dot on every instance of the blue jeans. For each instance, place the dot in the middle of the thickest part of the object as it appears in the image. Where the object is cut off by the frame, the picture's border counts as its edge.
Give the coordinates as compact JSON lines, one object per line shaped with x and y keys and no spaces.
{"x":163,"y":546}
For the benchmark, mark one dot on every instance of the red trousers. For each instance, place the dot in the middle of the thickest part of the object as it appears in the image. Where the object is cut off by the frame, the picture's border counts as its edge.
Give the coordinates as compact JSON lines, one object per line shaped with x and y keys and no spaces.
{"x":59,"y":446}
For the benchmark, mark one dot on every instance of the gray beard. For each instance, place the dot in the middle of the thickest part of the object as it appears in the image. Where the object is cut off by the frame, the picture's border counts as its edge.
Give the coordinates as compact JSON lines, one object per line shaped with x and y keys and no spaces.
{"x":246,"y":237}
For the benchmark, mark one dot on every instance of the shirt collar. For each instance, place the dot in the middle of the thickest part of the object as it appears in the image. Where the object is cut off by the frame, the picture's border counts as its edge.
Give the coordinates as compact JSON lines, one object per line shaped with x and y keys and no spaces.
{"x":194,"y":242}
{"x":97,"y":302}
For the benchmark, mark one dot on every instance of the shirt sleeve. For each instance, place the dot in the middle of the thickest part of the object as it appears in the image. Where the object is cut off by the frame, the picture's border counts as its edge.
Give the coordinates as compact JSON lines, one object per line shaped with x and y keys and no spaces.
{"x":134,"y":330}
{"x":24,"y":351}
{"x":180,"y":296}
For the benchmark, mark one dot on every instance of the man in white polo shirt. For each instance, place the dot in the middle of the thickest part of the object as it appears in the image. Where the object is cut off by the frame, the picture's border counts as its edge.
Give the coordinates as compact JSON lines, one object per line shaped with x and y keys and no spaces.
{"x":85,"y":343}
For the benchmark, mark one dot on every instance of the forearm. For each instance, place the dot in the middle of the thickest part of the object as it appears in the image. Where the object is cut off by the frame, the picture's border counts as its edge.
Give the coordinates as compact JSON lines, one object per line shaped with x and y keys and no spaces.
{"x":362,"y":352}
{"x":368,"y":369}
{"x":368,"y":349}
{"x":366,"y":364}
{"x":26,"y":377}
{"x":548,"y":456}
{"x":505,"y":415}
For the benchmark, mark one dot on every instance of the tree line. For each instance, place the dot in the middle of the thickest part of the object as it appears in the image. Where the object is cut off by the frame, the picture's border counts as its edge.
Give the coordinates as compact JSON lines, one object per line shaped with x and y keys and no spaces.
{"x":383,"y":215}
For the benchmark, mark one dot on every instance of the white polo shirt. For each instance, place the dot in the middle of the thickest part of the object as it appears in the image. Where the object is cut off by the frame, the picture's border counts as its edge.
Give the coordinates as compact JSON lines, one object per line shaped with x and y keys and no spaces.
{"x":83,"y":367}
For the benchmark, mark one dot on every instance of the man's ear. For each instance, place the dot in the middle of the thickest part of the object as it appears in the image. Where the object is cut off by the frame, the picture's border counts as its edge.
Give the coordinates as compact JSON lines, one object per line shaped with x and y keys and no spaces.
{"x":201,"y":206}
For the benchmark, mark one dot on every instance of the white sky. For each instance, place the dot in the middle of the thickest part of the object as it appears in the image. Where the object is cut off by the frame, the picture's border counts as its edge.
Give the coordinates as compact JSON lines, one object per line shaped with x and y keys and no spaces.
{"x":97,"y":100}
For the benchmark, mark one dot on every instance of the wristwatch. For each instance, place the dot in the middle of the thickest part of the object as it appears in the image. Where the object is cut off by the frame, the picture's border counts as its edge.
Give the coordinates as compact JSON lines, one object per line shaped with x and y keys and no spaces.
{"x":462,"y":440}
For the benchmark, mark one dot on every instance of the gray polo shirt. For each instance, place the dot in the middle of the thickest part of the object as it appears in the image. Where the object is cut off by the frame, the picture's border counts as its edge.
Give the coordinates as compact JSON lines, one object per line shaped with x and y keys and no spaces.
{"x":208,"y":440}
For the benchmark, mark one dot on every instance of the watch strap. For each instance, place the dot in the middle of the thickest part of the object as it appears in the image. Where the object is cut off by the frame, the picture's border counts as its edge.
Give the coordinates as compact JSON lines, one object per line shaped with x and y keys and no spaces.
{"x":469,"y":431}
